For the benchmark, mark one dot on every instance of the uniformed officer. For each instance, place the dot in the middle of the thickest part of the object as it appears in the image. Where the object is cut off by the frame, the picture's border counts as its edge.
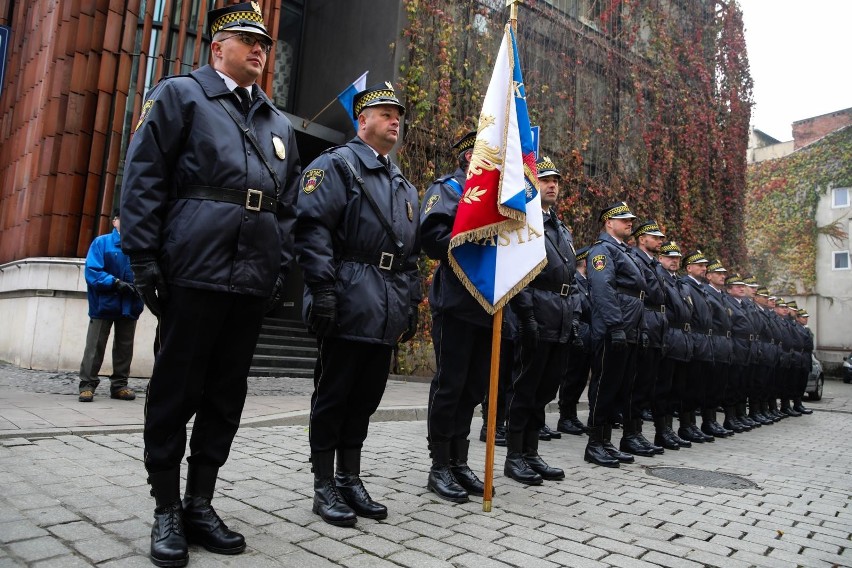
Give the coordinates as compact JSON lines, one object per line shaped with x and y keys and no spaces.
{"x":701,"y":364}
{"x":576,"y":374}
{"x":770,"y":353}
{"x":617,"y":288}
{"x":649,"y":239}
{"x":789,"y":360}
{"x":756,"y":353}
{"x":545,"y":313}
{"x":461,"y":336}
{"x":744,"y":350}
{"x":673,"y":376}
{"x":722,"y":350}
{"x":207,"y":212}
{"x":802,"y":316}
{"x":796,"y":347}
{"x":357,"y":244}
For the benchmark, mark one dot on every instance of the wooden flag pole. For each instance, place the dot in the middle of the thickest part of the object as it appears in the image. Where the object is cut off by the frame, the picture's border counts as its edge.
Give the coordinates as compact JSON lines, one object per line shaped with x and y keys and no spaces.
{"x":496,"y":333}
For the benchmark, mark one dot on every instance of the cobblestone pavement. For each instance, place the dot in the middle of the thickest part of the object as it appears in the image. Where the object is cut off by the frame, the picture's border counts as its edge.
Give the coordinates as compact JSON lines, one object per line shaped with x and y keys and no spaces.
{"x":72,"y":500}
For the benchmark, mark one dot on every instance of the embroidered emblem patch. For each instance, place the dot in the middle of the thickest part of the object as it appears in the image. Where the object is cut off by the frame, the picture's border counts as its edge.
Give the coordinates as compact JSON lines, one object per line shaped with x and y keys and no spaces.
{"x":146,"y":108}
{"x":278,"y":144}
{"x":430,"y":203}
{"x":599,"y":262}
{"x":312,"y":180}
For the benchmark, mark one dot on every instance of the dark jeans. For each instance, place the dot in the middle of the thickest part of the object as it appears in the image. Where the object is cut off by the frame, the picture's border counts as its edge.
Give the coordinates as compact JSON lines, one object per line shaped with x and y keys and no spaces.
{"x":93,"y":355}
{"x":208,"y":341}
{"x":349,"y":381}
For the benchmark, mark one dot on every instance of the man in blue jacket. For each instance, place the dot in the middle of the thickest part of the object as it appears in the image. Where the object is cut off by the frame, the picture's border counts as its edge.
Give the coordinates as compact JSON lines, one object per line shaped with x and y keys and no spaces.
{"x":208,"y":208}
{"x":113,"y":303}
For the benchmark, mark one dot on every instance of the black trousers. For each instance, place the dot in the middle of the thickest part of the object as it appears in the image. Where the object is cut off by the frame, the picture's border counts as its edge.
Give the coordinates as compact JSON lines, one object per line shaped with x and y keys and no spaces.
{"x":208,"y":340}
{"x":735,"y":389}
{"x":504,"y":381}
{"x":647,"y":370}
{"x":613,"y":373}
{"x":349,"y":381}
{"x":535,"y":380}
{"x":697,"y":377}
{"x":463,"y":360}
{"x":666,"y":388}
{"x":574,"y":379}
{"x":715,"y":385}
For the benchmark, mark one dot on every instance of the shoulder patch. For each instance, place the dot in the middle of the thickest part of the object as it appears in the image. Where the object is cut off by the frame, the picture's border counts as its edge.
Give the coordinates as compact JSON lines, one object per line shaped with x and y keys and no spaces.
{"x":430,"y":203}
{"x":146,"y":108}
{"x":599,"y":262}
{"x":312,"y":180}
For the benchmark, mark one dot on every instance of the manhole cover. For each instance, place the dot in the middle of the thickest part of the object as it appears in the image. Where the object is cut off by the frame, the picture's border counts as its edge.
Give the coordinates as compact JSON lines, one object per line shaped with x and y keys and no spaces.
{"x":701,"y":477}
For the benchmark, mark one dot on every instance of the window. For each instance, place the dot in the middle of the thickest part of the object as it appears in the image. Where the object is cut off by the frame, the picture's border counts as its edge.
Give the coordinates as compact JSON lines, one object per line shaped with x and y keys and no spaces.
{"x":840,"y":260}
{"x":840,"y":197}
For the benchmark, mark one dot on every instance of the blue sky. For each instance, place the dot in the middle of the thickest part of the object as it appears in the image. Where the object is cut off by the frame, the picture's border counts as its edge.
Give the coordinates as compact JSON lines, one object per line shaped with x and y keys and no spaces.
{"x":800,"y":55}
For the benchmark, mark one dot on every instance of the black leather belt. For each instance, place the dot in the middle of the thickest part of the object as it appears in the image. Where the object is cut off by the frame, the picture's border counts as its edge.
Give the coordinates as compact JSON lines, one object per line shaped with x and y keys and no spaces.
{"x":705,"y":331}
{"x":687,"y":327}
{"x":561,"y":289}
{"x":656,"y":308}
{"x":384,"y":260}
{"x":769,"y":341}
{"x":746,"y":336}
{"x":631,"y":292}
{"x":252,"y":199}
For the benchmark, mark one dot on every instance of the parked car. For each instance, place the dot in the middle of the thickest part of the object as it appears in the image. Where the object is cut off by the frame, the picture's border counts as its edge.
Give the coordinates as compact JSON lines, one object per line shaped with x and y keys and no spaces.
{"x":846,"y":370}
{"x":815,"y":380}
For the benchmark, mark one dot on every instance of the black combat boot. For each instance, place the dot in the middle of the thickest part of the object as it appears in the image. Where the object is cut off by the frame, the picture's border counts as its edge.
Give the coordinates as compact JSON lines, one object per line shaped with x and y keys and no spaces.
{"x":800,"y":408}
{"x":348,"y":481}
{"x":515,"y":466}
{"x":630,"y":442}
{"x":613,"y":451}
{"x":595,"y":451}
{"x":744,"y":418}
{"x":499,"y":433}
{"x":554,"y":434}
{"x":767,"y":412}
{"x":686,"y":431}
{"x":756,"y":412}
{"x":168,"y":541}
{"x":441,"y":481}
{"x":731,"y":422}
{"x":534,"y":460}
{"x":662,"y":437}
{"x":461,"y":471}
{"x":568,"y":421}
{"x":787,"y":409}
{"x":673,"y":435}
{"x":657,"y":449}
{"x":201,"y":523}
{"x":328,"y":503}
{"x":709,"y":425}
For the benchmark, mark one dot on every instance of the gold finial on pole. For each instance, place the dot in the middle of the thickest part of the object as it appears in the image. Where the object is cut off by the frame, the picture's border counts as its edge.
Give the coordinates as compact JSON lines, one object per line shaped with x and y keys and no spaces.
{"x":513,"y":12}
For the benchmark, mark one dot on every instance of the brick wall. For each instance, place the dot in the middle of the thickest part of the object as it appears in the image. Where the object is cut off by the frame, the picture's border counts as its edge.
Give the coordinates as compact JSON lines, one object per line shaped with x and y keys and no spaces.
{"x":810,"y":129}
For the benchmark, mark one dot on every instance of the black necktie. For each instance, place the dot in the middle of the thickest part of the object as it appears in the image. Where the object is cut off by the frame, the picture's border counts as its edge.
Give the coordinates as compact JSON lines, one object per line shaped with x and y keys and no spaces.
{"x":245,"y":99}
{"x":384,"y":160}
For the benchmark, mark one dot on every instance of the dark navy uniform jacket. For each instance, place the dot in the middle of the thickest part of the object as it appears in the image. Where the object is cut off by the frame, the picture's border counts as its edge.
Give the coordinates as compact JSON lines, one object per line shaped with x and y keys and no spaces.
{"x":702,"y":320}
{"x":787,"y":341}
{"x":679,"y":314}
{"x":655,"y":324}
{"x":807,"y":345}
{"x":723,"y":350}
{"x":757,"y":322}
{"x":584,"y":309}
{"x":549,"y":294}
{"x":742,"y":332}
{"x":336,"y":223}
{"x":615,"y":283}
{"x":770,"y":350}
{"x":438,"y":212}
{"x":798,"y":342}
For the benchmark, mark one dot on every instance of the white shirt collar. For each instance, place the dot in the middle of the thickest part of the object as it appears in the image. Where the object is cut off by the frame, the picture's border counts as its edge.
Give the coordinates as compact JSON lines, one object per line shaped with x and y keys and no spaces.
{"x":231,"y":84}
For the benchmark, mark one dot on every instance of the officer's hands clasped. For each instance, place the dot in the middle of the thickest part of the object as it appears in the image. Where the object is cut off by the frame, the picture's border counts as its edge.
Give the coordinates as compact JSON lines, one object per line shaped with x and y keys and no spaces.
{"x":150,"y":283}
{"x":528,"y":329}
{"x":322,"y":316}
{"x":618,"y":339}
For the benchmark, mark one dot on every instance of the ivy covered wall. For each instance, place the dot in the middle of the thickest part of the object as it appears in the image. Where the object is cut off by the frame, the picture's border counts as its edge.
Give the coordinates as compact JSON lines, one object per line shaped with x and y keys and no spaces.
{"x":781,"y":211}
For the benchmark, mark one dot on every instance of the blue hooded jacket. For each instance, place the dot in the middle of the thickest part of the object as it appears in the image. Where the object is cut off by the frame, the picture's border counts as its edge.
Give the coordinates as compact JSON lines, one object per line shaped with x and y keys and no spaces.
{"x":105,"y":264}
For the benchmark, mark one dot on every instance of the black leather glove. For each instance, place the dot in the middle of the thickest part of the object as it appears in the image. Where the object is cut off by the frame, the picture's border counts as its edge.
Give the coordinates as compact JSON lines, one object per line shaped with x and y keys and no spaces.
{"x":322,"y":317}
{"x":576,"y":340}
{"x":644,"y":340}
{"x":413,"y":321}
{"x":150,"y":283}
{"x":122,"y":287}
{"x":528,"y":330}
{"x":277,"y":297}
{"x":618,"y":339}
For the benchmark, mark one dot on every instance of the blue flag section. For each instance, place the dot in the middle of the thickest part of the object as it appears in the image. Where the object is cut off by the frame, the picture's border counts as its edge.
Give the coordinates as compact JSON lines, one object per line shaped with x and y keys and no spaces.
{"x":5,"y":32}
{"x":347,"y":97}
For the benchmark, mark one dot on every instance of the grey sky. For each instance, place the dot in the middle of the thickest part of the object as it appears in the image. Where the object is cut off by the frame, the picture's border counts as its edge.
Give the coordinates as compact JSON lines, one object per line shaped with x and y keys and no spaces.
{"x":800,"y":54}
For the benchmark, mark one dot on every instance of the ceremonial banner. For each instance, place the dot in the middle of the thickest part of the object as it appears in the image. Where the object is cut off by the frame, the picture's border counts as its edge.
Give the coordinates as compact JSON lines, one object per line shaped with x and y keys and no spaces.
{"x":347,"y":97}
{"x":497,"y":243}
